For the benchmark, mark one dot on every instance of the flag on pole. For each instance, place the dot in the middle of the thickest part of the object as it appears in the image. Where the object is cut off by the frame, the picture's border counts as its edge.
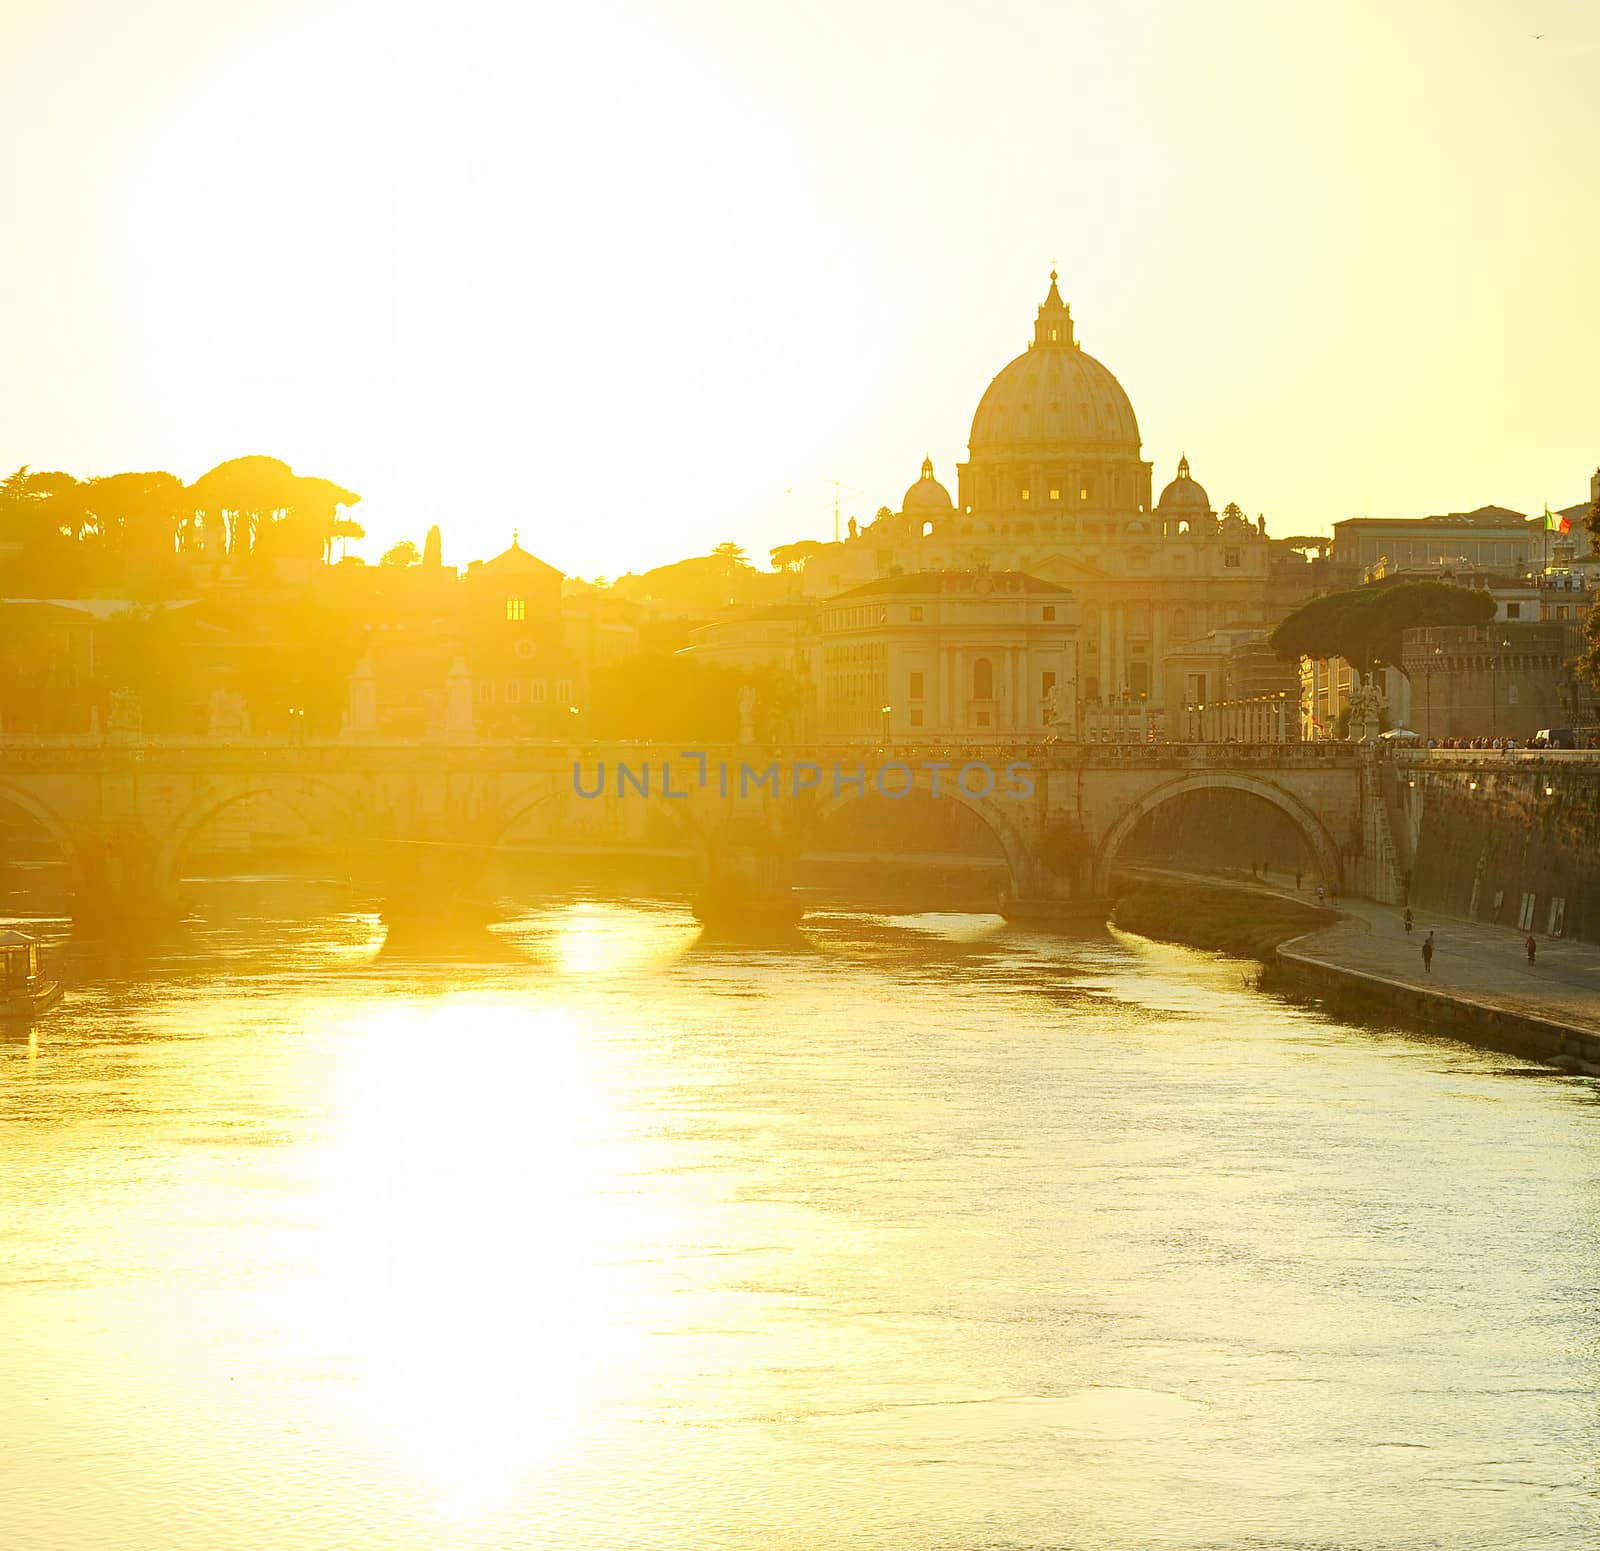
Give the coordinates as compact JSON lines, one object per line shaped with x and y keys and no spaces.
{"x":1554,"y":524}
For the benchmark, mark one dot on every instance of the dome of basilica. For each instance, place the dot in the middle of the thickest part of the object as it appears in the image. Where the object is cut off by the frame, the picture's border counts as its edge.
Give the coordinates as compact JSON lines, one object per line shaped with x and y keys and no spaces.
{"x":927,"y":495}
{"x":1054,"y":395}
{"x":1184,"y":494}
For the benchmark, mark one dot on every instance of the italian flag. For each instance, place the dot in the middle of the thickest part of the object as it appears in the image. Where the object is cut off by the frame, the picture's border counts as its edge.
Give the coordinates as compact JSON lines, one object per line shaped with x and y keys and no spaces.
{"x":1554,"y":524}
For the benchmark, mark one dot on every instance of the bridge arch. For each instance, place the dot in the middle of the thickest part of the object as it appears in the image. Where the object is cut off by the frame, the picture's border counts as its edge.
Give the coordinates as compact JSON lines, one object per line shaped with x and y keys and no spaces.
{"x":323,"y":810}
{"x":1019,"y":868}
{"x":52,"y":824}
{"x":560,"y":800}
{"x":1311,"y":828}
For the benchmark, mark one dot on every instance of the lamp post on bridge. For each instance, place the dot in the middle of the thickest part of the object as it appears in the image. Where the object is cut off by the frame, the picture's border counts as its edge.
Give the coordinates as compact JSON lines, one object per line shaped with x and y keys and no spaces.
{"x":1428,"y":664}
{"x":1494,"y":698}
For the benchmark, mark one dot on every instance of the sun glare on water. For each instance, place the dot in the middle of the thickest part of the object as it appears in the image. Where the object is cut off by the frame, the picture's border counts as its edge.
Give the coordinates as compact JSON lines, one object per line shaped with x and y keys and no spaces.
{"x":484,"y":1276}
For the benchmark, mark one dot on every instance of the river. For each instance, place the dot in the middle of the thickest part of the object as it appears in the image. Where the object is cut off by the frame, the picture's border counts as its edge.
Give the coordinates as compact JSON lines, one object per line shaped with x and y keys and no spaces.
{"x":913,"y":1232}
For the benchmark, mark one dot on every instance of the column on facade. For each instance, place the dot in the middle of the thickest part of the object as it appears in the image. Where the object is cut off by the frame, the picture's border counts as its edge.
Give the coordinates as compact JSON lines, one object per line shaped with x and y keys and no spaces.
{"x":958,"y":716}
{"x":1104,"y":669}
{"x":1158,"y":647}
{"x":1119,"y":647}
{"x":896,"y":690}
{"x":1023,"y":694}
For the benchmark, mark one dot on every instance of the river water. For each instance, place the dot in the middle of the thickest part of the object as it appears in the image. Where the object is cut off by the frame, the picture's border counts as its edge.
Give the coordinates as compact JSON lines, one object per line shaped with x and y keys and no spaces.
{"x":913,"y":1232}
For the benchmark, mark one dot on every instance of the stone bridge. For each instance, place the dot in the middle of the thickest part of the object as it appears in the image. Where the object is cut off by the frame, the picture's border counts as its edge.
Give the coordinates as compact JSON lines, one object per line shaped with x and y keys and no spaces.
{"x":124,"y":814}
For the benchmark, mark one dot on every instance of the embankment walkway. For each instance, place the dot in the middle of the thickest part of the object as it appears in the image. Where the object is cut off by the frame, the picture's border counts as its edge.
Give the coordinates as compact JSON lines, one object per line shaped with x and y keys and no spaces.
{"x":1476,"y":966}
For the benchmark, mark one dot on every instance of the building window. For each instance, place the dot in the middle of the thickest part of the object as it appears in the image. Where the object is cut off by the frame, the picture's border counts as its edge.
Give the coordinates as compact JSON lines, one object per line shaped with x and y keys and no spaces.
{"x":1230,"y":559}
{"x":525,"y":648}
{"x":1556,"y":921}
{"x":1055,"y":492}
{"x":1049,"y":611}
{"x":513,"y":691}
{"x":536,"y":691}
{"x":1026,"y":493}
{"x":916,"y":686}
{"x":983,"y":679}
{"x":564,"y":691}
{"x":516,"y":609}
{"x":1561,"y":611}
{"x":916,"y":614}
{"x":1046,"y":684}
{"x":1525,"y":914}
{"x":916,"y":716}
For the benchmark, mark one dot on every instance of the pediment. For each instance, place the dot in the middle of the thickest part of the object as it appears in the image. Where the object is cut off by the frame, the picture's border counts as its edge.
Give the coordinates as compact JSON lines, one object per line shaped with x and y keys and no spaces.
{"x":1063,"y":569}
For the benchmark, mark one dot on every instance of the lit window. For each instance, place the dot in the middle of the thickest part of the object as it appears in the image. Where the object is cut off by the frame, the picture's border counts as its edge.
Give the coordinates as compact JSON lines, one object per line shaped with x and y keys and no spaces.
{"x":1083,"y":493}
{"x":516,"y":608}
{"x":1055,"y":492}
{"x":1052,"y":336}
{"x":1026,"y":493}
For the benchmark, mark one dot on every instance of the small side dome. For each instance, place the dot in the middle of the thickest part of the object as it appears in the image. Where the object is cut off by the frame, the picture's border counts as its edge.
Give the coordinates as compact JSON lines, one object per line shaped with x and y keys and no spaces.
{"x":927,"y":495}
{"x":1184,"y":494}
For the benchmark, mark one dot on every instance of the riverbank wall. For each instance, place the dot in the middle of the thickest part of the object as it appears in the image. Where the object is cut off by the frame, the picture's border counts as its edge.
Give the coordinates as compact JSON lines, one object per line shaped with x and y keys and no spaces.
{"x":1244,"y":920}
{"x":1434,"y":1010}
{"x":1506,"y":838}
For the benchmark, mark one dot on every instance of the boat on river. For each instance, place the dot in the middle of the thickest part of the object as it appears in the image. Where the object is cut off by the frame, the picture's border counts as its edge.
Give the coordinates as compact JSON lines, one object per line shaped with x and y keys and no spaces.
{"x":25,"y":989}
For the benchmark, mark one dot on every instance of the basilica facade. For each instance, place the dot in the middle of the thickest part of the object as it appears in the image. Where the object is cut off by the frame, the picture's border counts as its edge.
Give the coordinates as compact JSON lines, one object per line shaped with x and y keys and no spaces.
{"x":1056,"y":487}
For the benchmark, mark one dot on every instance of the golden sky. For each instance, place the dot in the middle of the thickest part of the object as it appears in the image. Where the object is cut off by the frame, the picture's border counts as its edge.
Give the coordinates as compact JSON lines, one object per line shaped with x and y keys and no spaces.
{"x":636,"y":278}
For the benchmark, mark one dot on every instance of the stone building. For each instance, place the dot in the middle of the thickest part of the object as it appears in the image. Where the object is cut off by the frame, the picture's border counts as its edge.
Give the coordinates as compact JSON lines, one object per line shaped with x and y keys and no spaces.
{"x":1505,"y":680}
{"x":1492,"y":537}
{"x":970,"y":654}
{"x":1056,"y":487}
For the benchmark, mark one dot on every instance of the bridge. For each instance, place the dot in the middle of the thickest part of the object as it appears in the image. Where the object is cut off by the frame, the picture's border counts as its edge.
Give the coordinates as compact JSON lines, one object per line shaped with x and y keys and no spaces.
{"x":124,"y":815}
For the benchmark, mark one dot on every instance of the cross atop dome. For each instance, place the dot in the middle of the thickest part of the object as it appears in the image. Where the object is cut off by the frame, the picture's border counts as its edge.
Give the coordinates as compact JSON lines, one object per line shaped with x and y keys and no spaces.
{"x":1054,"y":326}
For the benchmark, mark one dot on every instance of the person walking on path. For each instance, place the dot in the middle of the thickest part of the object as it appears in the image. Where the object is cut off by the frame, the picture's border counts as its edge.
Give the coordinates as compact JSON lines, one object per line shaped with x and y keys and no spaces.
{"x":1533,"y":948}
{"x":1427,"y":954}
{"x":1409,"y":922}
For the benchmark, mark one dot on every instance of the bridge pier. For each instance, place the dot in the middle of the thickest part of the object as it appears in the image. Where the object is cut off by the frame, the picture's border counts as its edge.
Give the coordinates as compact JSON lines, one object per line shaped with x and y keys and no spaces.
{"x":120,"y":885}
{"x":431,"y":883}
{"x":746,"y":877}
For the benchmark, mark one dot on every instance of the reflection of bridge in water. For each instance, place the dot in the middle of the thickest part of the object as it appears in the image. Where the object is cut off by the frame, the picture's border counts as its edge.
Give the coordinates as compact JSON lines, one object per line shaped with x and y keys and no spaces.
{"x":124,"y":815}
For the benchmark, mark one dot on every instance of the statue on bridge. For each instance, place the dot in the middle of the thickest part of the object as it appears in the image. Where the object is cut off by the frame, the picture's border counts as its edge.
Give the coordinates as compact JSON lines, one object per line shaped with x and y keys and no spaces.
{"x":1367,"y":705}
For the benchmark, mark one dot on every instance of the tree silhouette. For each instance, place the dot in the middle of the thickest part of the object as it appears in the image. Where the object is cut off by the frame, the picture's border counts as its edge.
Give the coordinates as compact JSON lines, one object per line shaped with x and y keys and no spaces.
{"x":243,"y":495}
{"x":402,"y":554}
{"x":1365,"y":625}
